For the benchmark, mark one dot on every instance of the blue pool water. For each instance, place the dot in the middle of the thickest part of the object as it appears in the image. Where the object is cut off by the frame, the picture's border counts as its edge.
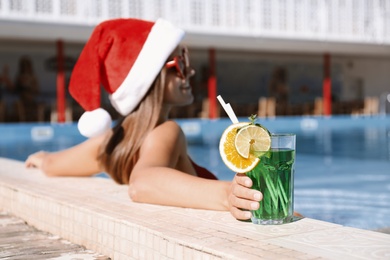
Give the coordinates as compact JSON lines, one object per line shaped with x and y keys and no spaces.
{"x":342,"y":171}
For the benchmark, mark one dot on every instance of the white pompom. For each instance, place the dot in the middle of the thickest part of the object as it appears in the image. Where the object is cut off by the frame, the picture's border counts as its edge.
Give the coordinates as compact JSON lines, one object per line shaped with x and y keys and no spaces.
{"x":94,"y":123}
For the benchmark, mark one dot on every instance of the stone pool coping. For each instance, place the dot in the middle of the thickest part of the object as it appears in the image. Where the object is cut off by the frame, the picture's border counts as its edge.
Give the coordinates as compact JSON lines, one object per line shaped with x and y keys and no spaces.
{"x":98,"y":214}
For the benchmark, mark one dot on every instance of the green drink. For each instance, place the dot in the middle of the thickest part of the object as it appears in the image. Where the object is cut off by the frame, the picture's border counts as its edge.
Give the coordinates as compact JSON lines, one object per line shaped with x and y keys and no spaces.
{"x":274,"y":177}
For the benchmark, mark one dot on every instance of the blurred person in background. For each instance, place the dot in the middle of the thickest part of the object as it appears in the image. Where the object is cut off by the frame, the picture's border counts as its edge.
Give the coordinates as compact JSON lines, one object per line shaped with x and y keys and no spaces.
{"x":27,"y":88}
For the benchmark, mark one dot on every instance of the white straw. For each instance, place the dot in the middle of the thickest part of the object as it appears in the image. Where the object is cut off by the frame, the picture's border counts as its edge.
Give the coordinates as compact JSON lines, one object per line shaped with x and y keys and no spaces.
{"x":228,"y":109}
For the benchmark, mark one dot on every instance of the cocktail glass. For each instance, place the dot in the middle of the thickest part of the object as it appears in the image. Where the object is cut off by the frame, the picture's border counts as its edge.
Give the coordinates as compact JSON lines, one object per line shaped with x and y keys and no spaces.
{"x":273,"y":176}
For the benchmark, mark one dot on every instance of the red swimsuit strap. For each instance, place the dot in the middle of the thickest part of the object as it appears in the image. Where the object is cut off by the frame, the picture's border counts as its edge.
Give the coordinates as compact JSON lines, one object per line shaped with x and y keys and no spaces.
{"x":203,"y":172}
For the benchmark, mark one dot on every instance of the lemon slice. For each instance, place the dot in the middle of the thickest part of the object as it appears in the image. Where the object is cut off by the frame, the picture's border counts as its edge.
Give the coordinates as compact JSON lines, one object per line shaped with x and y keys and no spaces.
{"x":227,"y":149}
{"x":252,"y":139}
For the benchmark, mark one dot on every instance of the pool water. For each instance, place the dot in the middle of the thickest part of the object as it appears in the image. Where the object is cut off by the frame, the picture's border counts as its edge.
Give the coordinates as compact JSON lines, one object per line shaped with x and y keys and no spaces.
{"x":342,"y":170}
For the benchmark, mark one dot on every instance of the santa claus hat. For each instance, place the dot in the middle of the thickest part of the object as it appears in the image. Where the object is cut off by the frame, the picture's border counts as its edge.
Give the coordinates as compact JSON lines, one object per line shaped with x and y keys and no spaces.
{"x":125,"y":56}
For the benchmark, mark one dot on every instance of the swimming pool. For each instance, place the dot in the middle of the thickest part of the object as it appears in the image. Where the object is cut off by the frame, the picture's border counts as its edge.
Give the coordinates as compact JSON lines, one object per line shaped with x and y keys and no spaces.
{"x":342,"y":165}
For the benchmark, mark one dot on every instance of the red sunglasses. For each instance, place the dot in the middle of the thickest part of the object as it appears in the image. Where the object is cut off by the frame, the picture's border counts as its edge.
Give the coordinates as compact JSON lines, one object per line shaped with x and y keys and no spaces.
{"x":180,"y":63}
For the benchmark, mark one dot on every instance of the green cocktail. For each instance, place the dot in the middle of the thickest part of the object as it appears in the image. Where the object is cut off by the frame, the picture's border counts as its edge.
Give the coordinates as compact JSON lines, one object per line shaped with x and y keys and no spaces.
{"x":274,"y":177}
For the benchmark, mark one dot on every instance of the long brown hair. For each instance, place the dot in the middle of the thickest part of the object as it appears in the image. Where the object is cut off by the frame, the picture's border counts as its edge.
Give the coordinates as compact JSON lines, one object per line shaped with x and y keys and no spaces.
{"x":119,"y":152}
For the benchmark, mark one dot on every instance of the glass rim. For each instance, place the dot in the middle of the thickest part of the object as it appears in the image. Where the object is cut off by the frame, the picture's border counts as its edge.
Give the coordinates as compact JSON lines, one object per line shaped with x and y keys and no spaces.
{"x":282,"y":134}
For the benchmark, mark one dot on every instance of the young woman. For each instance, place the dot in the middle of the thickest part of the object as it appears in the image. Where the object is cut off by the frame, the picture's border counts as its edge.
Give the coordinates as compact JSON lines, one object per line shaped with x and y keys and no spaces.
{"x":145,"y":149}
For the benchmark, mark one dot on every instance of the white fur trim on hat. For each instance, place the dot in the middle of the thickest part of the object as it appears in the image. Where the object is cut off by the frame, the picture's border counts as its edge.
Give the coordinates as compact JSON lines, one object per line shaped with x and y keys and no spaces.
{"x":162,"y":40}
{"x":94,"y":123}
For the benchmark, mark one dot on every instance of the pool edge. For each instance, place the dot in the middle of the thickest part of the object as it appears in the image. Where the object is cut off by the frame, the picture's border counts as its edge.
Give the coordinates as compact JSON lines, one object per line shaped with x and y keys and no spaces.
{"x":98,"y":214}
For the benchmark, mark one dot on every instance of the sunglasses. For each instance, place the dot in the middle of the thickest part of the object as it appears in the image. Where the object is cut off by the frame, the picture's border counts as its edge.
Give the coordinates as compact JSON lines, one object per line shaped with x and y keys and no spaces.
{"x":180,"y":63}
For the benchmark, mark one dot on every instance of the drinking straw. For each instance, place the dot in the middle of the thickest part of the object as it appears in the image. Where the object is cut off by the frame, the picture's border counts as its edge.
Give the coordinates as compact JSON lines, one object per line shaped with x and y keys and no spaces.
{"x":228,"y":109}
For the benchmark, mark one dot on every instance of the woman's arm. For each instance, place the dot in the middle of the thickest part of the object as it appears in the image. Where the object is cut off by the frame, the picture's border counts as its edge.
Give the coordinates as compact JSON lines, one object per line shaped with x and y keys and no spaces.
{"x":167,"y":186}
{"x":154,"y":178}
{"x":79,"y":160}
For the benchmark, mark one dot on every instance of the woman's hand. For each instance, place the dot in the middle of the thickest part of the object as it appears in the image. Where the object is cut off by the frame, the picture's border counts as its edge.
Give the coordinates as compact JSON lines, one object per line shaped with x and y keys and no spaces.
{"x":35,"y":160}
{"x":242,"y":198}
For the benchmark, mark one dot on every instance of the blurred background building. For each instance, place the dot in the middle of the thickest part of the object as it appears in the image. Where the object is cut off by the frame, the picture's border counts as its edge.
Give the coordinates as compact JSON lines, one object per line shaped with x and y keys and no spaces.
{"x":271,"y":57}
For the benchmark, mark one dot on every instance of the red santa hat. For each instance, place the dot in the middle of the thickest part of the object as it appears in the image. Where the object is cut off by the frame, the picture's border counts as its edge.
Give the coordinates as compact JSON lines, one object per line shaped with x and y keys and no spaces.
{"x":125,"y":56}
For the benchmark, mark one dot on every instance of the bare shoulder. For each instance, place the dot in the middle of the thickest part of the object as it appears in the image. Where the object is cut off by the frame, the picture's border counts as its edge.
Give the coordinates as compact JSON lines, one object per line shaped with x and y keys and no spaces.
{"x":167,"y":136}
{"x":168,"y":129}
{"x":169,"y":124}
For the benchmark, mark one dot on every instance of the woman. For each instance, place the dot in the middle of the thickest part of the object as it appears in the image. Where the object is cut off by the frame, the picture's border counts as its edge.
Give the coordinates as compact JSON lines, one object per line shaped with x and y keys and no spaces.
{"x":144,"y":150}
{"x":27,"y":88}
{"x":26,"y":84}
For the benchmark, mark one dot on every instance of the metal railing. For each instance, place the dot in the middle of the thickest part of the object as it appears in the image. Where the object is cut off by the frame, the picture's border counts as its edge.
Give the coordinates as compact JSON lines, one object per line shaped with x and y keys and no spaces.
{"x":358,"y":21}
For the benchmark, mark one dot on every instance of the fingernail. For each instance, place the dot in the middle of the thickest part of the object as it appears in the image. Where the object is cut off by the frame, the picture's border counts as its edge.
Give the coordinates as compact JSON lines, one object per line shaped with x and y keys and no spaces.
{"x":254,"y":205}
{"x":247,"y":183}
{"x":257,"y":196}
{"x":247,"y":215}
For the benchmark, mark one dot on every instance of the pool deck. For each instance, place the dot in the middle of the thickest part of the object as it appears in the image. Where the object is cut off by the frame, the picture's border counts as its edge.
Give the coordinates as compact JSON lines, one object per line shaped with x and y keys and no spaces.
{"x":98,"y":214}
{"x":21,"y":241}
